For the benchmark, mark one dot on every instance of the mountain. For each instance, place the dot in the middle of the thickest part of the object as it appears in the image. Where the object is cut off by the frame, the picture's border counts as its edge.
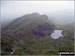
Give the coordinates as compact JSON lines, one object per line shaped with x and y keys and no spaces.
{"x":30,"y":35}
{"x":28,"y":18}
{"x":27,"y":28}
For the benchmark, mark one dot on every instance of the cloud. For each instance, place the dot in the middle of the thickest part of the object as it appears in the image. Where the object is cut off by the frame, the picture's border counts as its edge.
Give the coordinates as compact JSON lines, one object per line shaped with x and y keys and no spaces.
{"x":13,"y":9}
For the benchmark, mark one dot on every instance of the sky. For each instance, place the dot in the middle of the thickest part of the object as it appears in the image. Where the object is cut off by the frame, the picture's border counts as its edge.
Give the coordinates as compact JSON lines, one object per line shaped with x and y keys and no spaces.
{"x":13,"y":9}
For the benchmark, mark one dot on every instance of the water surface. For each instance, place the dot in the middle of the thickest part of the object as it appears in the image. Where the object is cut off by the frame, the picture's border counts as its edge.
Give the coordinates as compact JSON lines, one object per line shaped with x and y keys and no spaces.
{"x":57,"y":34}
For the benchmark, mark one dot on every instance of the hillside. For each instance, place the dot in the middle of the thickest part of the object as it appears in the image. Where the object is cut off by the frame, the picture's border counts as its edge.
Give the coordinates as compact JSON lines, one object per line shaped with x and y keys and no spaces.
{"x":30,"y":34}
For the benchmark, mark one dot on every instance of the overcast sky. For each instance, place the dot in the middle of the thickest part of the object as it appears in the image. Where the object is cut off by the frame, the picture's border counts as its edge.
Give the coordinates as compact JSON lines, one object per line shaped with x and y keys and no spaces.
{"x":14,"y":9}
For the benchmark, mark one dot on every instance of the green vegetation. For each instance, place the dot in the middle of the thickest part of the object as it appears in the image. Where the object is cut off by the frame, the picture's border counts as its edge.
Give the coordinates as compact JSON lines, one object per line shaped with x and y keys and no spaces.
{"x":30,"y":35}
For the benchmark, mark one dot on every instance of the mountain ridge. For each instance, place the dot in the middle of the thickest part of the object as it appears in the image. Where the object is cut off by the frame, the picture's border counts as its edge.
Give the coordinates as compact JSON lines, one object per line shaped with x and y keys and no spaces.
{"x":30,"y":34}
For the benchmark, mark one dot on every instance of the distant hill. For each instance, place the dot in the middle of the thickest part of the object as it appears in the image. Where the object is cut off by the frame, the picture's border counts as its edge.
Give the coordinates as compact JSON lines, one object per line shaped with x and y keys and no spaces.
{"x":62,"y":17}
{"x":30,"y":34}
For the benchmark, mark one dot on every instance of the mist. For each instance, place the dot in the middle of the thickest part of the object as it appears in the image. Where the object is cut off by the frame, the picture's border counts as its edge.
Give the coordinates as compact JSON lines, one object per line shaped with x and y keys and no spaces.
{"x":11,"y":10}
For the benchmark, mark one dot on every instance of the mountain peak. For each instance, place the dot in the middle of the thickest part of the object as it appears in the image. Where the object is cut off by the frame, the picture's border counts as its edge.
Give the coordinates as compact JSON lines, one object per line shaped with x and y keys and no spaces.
{"x":35,"y":13}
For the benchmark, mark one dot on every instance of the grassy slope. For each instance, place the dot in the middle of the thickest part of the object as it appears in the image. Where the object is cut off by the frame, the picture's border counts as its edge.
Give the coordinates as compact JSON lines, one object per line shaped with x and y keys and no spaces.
{"x":22,"y":39}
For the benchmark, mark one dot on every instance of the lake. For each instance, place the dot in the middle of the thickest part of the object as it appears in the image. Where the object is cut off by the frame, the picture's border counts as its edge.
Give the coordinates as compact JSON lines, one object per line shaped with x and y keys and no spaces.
{"x":57,"y":34}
